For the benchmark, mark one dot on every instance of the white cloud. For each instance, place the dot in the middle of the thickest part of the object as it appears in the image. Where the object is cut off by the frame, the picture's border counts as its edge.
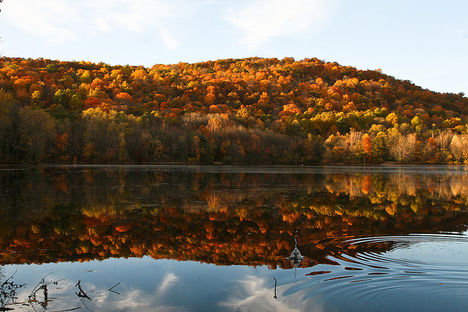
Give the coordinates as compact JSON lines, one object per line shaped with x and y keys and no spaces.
{"x":59,"y":21}
{"x":261,"y":20}
{"x":169,"y":40}
{"x":41,"y":17}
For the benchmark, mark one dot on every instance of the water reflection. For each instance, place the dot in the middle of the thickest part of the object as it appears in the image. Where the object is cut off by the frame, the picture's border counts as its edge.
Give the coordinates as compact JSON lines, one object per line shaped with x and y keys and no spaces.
{"x":233,"y":218}
{"x":353,"y":229}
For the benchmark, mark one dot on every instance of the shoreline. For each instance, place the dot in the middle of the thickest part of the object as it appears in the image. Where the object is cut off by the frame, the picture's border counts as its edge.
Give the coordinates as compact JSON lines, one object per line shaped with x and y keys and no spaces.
{"x":250,"y":169}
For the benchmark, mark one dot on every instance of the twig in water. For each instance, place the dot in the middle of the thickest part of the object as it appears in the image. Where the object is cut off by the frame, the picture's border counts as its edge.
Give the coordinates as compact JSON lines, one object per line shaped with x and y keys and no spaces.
{"x":8,"y":293}
{"x":111,"y":289}
{"x":38,"y":286}
{"x":82,"y":294}
{"x":11,"y":276}
{"x":276,"y":282}
{"x":84,"y":304}
{"x":72,"y":309}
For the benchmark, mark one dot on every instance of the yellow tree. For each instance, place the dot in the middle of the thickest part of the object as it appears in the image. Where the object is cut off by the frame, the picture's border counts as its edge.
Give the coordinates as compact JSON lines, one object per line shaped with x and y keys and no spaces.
{"x":367,"y":147}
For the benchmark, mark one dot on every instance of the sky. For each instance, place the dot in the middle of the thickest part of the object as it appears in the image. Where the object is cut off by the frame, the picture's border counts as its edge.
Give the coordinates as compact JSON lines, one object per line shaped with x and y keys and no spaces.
{"x":424,"y":41}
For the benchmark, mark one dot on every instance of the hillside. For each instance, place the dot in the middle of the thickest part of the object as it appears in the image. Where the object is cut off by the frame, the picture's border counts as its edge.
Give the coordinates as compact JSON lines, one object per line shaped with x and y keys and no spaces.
{"x":251,"y":110}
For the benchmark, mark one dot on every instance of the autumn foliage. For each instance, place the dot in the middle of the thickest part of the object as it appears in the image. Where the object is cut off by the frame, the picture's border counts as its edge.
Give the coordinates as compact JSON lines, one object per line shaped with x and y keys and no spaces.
{"x":250,"y":110}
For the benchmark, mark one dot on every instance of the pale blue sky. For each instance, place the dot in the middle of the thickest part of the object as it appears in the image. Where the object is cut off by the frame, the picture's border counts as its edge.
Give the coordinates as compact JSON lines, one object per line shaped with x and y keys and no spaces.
{"x":419,"y":40}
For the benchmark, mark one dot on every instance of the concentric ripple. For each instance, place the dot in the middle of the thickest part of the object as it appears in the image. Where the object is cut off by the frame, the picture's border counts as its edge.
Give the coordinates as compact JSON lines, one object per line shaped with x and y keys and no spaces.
{"x":419,"y":272}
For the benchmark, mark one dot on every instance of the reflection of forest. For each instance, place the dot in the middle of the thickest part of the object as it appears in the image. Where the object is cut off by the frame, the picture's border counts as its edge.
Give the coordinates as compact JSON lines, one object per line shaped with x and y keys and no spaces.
{"x":52,"y":215}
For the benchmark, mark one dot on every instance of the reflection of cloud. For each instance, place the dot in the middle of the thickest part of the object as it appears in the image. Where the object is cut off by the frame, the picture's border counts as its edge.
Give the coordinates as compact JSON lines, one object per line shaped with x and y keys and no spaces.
{"x":65,"y":298}
{"x":255,"y":295}
{"x":167,"y":282}
{"x":137,"y":300}
{"x":134,"y":300}
{"x":261,"y":20}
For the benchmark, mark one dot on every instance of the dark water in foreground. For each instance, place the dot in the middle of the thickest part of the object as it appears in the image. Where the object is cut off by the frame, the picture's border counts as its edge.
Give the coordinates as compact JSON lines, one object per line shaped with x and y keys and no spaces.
{"x":104,"y":238}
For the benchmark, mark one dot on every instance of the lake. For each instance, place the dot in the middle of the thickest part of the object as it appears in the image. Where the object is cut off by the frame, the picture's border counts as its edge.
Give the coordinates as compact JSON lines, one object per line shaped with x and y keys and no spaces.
{"x":226,"y":238}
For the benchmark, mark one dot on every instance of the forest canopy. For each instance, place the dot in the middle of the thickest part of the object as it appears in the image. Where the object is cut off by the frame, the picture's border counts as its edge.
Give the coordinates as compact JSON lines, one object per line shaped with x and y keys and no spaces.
{"x":252,"y":110}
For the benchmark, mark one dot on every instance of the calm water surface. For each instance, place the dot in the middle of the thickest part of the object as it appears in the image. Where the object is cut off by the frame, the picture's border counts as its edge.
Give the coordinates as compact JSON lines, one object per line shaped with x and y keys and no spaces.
{"x":214,"y":238}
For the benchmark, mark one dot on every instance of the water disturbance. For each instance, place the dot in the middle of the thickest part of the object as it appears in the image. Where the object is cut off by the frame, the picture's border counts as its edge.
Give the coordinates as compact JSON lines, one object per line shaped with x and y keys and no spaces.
{"x":194,"y":238}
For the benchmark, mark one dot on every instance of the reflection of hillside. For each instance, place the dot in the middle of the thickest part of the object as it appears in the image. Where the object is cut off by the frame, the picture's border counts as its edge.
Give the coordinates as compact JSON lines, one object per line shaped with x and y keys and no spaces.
{"x":67,"y":215}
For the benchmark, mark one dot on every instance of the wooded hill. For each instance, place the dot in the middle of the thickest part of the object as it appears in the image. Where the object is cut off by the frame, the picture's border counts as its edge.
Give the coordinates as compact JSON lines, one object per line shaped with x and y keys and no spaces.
{"x":251,"y":110}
